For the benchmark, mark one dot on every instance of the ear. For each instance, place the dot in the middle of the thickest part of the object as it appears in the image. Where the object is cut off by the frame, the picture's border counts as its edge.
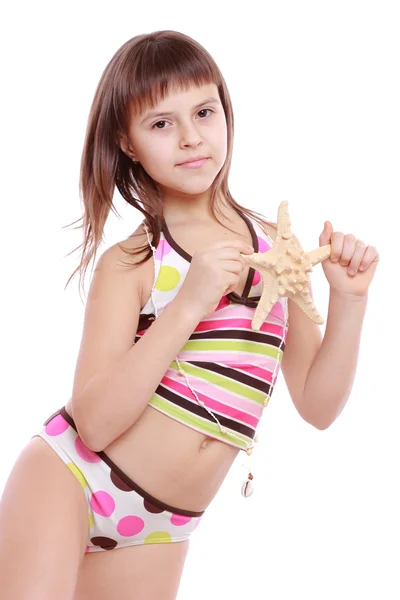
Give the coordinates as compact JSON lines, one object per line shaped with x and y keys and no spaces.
{"x":125,"y":147}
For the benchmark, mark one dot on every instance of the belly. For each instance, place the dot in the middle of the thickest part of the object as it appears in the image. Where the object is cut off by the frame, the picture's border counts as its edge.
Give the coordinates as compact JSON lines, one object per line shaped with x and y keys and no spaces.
{"x":178,"y":465}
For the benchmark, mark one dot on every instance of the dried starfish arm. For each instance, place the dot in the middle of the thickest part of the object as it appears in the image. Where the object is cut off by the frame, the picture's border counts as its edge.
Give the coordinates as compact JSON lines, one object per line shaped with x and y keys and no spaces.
{"x":319,"y":254}
{"x":284,"y":225}
{"x":305,"y":302}
{"x":270,"y":294}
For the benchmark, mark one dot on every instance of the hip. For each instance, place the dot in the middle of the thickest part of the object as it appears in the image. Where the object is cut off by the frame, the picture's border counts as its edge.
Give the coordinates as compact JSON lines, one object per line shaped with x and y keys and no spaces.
{"x":171,"y":461}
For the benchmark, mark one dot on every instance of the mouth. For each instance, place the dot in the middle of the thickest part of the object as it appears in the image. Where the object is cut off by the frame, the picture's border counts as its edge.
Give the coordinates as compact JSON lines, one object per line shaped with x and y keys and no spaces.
{"x":194,"y":163}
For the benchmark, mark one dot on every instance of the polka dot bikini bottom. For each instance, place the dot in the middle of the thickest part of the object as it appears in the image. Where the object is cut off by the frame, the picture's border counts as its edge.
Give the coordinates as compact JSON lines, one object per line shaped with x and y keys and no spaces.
{"x":120,"y":513}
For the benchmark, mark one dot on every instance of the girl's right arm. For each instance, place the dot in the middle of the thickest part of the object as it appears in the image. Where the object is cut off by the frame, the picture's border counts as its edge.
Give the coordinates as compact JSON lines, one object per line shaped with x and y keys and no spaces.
{"x":120,"y":377}
{"x":115,"y":377}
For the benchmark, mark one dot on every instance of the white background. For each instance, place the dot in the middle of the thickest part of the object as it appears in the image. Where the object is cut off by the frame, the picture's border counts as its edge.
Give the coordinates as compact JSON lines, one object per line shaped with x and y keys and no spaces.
{"x":315,"y":91}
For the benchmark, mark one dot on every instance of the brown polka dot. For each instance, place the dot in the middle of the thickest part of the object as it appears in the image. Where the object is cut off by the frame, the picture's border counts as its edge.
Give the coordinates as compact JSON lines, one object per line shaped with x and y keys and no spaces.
{"x":152,"y":508}
{"x":104,"y":542}
{"x":119,"y":483}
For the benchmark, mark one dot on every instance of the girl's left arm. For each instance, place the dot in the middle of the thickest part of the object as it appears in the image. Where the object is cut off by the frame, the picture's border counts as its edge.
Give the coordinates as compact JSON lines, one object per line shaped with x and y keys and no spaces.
{"x":319,"y":373}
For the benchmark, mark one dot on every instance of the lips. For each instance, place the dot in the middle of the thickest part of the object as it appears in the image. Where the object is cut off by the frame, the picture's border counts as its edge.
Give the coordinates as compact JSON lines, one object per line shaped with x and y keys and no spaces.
{"x":194,"y":159}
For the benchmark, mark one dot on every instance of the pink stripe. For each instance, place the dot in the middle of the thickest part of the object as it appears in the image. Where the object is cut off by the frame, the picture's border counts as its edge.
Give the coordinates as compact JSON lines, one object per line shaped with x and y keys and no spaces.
{"x":253,"y":370}
{"x":210,"y":403}
{"x":224,"y":396}
{"x":230,"y":358}
{"x":238,"y":323}
{"x":240,"y":311}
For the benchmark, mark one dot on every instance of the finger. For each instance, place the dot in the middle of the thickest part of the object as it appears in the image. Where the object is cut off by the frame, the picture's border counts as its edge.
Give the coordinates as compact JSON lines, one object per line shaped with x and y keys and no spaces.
{"x":233,"y":266}
{"x":325,"y":236}
{"x":357,"y":258}
{"x":242,"y":246}
{"x":230,"y":254}
{"x":336,"y":245}
{"x":349,"y":246}
{"x":370,"y":256}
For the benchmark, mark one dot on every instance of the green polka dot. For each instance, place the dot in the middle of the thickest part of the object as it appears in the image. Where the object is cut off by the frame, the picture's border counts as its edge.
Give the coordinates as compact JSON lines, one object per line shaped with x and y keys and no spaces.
{"x":91,"y":520}
{"x":158,"y":537}
{"x":78,"y":474}
{"x":168,"y":279}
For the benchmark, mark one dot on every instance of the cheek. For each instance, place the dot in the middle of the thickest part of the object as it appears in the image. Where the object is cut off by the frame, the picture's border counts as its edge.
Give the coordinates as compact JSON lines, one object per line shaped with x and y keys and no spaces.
{"x":157,"y":159}
{"x":221,"y":139}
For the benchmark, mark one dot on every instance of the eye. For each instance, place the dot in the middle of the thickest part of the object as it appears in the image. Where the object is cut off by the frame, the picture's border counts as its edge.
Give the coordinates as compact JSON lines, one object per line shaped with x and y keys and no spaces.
{"x":200,"y":111}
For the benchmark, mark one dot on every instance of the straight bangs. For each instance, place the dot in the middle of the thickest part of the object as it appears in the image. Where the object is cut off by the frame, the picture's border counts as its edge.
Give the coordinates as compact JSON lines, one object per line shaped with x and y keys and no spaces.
{"x":147,"y":76}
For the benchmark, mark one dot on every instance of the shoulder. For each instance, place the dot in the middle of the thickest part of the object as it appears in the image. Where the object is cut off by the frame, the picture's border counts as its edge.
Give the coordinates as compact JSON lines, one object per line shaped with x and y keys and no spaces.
{"x":118,"y":266}
{"x":126,"y":253}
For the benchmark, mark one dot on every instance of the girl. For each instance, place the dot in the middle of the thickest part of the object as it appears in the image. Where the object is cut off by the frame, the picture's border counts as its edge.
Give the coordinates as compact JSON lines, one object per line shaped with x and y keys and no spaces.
{"x":171,"y":380}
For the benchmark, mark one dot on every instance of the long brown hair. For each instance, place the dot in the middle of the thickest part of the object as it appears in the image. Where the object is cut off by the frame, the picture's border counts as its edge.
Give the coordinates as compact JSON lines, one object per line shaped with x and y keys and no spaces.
{"x":140,"y":74}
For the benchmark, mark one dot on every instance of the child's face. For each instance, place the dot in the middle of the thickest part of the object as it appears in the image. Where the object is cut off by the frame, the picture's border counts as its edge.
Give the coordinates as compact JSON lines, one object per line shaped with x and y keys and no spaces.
{"x":159,"y":143}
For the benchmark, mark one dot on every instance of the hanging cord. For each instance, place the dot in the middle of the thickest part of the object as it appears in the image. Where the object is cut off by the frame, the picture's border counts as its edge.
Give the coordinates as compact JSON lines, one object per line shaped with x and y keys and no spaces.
{"x":249,"y":447}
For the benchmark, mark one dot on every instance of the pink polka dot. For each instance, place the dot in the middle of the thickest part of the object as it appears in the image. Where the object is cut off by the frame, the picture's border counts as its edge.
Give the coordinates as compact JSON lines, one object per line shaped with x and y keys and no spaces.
{"x":102,"y":503}
{"x":180,"y":520}
{"x":263,"y":246}
{"x":85,"y":453}
{"x":162,"y":249}
{"x":56,"y":426}
{"x":130,"y":526}
{"x":256,"y":278}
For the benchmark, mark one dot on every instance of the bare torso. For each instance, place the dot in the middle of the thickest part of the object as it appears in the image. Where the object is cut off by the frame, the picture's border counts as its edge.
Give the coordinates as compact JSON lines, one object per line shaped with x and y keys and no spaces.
{"x":178,"y":465}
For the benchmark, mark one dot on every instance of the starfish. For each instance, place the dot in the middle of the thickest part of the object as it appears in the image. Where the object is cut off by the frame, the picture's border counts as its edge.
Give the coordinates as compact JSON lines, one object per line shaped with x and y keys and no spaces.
{"x":285,"y":269}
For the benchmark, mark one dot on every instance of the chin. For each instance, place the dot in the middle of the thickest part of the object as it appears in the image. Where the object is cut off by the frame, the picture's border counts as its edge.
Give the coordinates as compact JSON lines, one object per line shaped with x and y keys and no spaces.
{"x":191,"y":186}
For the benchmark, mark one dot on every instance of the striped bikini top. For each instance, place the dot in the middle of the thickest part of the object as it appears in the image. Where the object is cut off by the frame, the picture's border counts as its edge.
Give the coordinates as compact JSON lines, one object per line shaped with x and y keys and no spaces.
{"x":231,"y":367}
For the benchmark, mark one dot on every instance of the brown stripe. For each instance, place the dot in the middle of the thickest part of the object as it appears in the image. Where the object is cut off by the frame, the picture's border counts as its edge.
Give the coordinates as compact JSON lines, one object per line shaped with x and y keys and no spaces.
{"x":262,"y":386}
{"x":198,"y":410}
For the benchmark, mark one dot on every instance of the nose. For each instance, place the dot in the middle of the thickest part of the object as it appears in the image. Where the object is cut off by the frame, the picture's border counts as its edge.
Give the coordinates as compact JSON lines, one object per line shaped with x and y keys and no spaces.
{"x":189,"y":134}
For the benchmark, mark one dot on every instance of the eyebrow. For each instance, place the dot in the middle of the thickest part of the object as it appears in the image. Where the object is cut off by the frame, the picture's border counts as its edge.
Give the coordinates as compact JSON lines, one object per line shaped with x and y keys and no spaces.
{"x":152,"y":115}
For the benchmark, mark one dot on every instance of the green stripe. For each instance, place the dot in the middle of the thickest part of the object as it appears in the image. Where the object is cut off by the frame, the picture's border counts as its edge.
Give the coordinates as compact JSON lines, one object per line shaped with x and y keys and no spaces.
{"x":233,"y":346}
{"x":190,"y":419}
{"x":224,"y":382}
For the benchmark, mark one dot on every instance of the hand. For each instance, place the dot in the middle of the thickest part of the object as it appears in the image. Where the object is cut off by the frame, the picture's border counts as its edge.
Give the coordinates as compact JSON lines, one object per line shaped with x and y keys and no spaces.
{"x":214,"y":271}
{"x":351,"y":265}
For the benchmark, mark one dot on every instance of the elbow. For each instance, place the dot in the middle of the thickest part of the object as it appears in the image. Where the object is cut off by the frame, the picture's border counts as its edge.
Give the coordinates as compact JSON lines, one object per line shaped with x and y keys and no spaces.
{"x":91,"y":442}
{"x":84,"y":431}
{"x":316,"y":420}
{"x":322,"y":426}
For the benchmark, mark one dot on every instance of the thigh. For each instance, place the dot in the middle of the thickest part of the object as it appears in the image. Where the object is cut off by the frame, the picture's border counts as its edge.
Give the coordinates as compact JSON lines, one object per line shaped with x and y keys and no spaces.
{"x":143,"y":572}
{"x":43,"y":525}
